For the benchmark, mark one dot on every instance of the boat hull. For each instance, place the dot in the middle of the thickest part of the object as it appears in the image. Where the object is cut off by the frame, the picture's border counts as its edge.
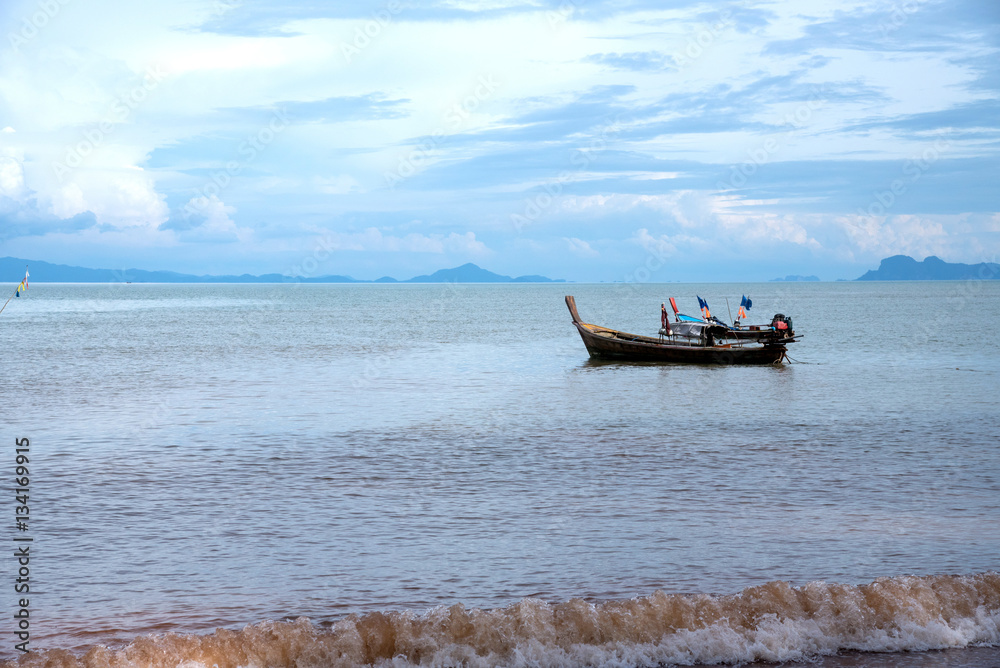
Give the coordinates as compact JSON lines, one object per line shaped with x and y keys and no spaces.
{"x":616,"y":348}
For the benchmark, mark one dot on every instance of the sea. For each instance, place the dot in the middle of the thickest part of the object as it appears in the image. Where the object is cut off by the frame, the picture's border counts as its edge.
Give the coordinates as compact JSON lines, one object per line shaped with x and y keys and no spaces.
{"x":438,"y":475}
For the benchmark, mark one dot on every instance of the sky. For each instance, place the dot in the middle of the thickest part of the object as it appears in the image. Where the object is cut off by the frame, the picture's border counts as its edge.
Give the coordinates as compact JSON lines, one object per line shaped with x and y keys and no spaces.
{"x":591,"y":141}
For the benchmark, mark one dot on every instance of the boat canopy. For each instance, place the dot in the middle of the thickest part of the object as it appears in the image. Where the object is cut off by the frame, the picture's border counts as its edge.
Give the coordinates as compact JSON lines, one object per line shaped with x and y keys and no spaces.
{"x":694,"y":329}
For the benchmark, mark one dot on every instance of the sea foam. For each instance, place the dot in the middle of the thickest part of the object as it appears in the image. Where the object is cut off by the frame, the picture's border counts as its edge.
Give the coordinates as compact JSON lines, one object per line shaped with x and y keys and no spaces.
{"x":770,"y":622}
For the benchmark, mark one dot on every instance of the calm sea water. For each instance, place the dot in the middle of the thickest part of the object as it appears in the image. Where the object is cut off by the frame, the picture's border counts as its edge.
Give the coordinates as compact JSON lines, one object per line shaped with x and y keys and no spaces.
{"x":212,"y":456}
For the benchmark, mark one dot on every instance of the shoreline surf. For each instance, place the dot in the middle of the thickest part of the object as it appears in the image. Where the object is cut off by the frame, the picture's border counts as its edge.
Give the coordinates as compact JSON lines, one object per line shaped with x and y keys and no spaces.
{"x":772,"y":622}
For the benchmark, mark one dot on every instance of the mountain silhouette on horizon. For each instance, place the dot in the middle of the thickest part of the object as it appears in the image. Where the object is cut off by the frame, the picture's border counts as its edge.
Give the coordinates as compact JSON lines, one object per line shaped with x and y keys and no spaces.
{"x":933,"y":268}
{"x":47,"y":272}
{"x":471,"y":273}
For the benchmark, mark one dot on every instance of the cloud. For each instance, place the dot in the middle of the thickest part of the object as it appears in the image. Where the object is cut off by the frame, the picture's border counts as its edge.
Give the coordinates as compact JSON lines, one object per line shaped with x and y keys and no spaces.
{"x":580,"y":131}
{"x":579,"y":247}
{"x":969,"y":238}
{"x":11,"y":169}
{"x":977,"y":115}
{"x":11,"y":178}
{"x":26,"y":219}
{"x":114,"y":200}
{"x":339,"y":109}
{"x":337,"y":185}
{"x":580,"y":118}
{"x":119,"y":199}
{"x":374,"y":240}
{"x":263,"y":18}
{"x":207,"y":220}
{"x":636,"y":61}
{"x":660,"y":247}
{"x":743,"y":17}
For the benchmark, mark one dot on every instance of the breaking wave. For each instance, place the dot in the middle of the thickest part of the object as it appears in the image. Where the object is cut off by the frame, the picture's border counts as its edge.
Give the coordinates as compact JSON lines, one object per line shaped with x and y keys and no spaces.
{"x":771,"y":622}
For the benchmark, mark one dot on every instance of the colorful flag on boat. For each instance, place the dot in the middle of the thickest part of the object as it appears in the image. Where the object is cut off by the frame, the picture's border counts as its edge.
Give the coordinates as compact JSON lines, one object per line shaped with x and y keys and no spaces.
{"x":703,"y":305}
{"x":745,"y":304}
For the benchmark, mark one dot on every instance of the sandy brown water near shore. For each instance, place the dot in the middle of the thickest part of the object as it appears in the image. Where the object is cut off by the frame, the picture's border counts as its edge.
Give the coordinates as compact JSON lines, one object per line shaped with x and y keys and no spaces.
{"x":772,"y":623}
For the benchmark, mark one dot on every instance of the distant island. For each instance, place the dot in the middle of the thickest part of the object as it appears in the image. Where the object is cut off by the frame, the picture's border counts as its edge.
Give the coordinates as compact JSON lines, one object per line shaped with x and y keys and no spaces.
{"x":905,"y":268}
{"x":795,"y":278}
{"x":45,"y":272}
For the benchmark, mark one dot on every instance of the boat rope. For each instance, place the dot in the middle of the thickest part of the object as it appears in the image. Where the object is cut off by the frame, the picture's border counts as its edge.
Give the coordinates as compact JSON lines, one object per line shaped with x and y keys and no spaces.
{"x":17,"y":289}
{"x":792,"y":361}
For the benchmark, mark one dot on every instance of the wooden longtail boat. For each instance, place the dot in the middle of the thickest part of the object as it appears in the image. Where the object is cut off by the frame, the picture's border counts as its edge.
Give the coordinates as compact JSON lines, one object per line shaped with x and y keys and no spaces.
{"x":688,"y":342}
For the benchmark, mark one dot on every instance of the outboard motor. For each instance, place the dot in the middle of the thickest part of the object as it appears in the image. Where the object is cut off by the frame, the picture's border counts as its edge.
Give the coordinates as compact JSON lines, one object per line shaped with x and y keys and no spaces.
{"x":781,"y":323}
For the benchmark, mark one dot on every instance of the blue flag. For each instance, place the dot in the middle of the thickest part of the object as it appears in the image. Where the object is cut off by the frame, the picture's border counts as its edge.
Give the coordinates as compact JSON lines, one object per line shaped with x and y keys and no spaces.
{"x":702,"y":303}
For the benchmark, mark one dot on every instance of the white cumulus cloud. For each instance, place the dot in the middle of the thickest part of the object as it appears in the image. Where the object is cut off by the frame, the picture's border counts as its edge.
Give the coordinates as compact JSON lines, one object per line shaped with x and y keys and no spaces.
{"x":218,"y":226}
{"x":580,"y":247}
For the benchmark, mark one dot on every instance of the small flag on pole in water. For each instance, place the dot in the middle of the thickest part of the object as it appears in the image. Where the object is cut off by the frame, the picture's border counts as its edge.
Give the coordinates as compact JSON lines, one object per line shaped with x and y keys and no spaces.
{"x":21,"y":287}
{"x":24,"y":284}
